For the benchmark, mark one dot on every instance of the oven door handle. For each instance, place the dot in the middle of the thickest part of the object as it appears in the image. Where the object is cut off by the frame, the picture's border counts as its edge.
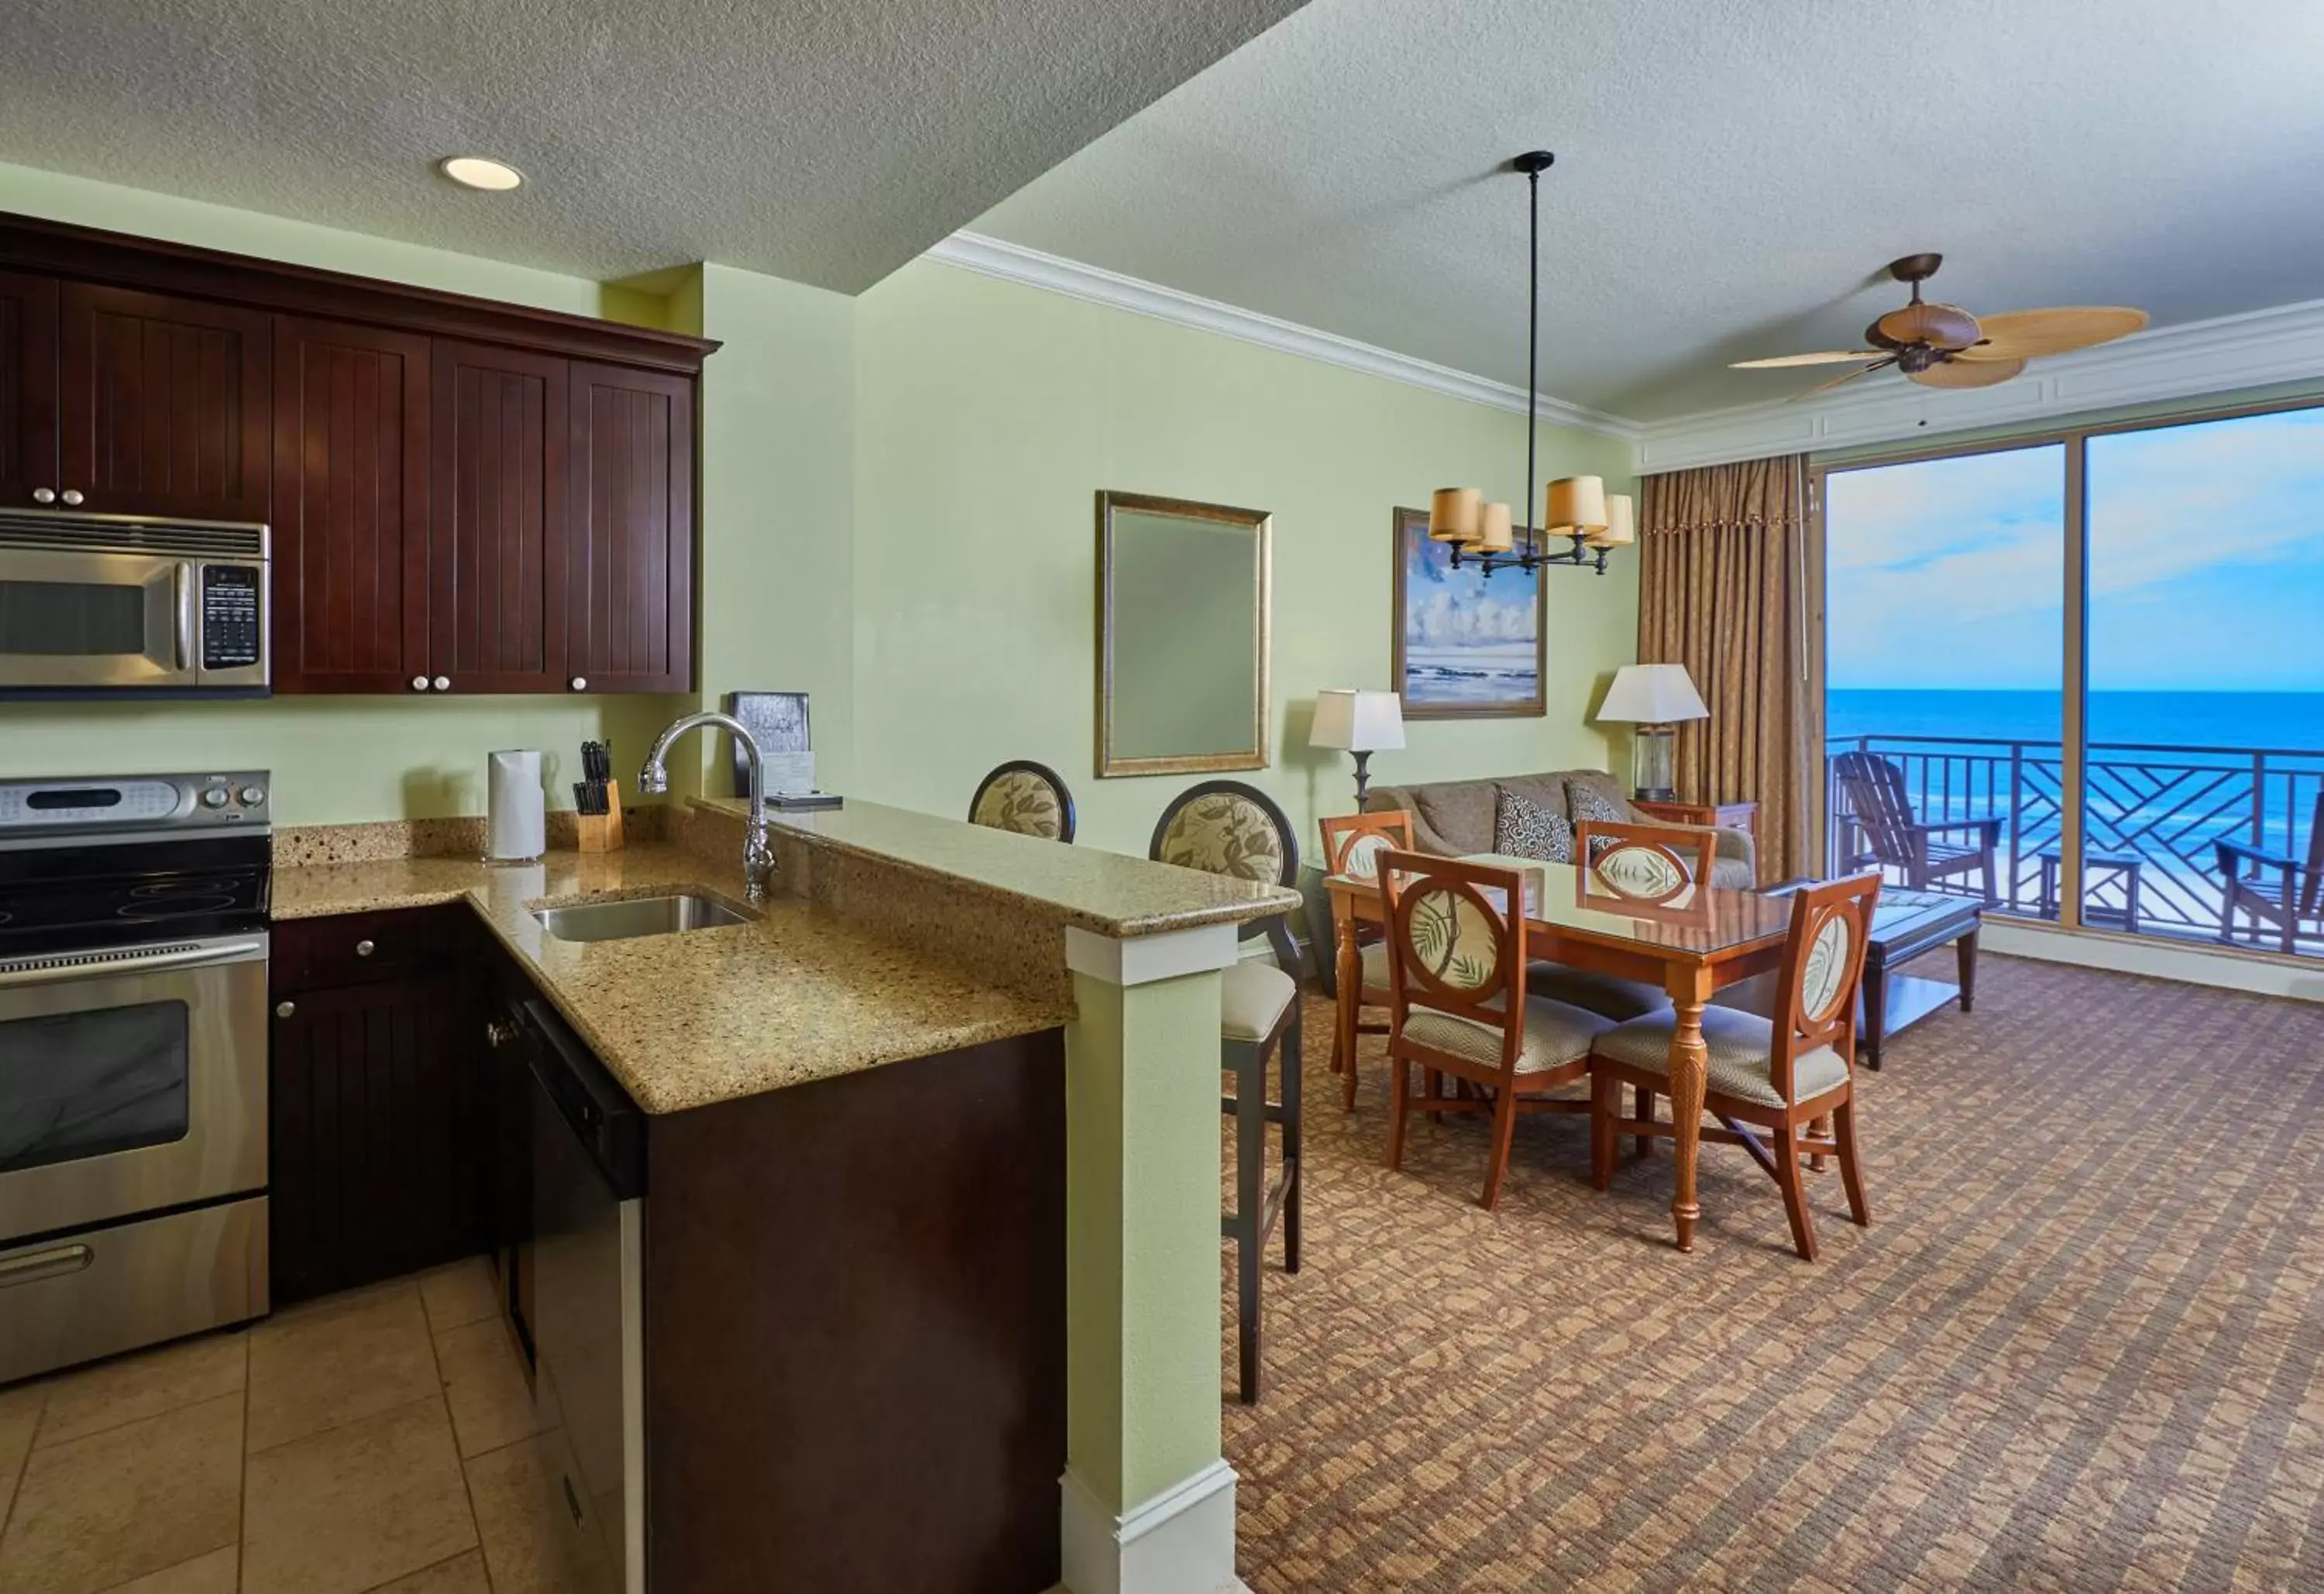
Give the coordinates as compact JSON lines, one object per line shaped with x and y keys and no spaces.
{"x":58,"y":971}
{"x":188,"y":594}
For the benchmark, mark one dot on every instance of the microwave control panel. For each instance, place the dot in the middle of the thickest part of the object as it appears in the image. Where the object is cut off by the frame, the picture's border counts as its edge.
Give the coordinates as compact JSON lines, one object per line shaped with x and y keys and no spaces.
{"x":230,"y":616}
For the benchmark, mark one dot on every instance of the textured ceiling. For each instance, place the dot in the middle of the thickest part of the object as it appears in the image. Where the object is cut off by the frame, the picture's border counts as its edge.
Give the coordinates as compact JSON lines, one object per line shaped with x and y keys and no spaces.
{"x":827,"y":141}
{"x":1730,"y":175}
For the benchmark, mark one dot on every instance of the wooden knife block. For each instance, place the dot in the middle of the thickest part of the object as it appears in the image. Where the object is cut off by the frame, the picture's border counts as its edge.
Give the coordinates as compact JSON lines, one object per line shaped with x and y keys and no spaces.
{"x":602,"y":833}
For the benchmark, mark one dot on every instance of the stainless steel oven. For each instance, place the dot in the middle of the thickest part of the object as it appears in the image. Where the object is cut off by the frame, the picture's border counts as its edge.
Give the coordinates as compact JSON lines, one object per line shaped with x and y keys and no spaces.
{"x":132,"y":1063}
{"x":124,"y":603}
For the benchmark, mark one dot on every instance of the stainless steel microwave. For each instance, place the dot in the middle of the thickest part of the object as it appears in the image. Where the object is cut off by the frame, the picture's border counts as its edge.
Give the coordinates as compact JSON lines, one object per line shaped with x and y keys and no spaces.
{"x":116,"y":605}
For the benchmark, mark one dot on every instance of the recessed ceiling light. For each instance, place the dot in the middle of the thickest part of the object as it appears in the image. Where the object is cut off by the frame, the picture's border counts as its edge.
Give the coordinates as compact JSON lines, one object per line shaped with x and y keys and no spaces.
{"x":474,"y":172}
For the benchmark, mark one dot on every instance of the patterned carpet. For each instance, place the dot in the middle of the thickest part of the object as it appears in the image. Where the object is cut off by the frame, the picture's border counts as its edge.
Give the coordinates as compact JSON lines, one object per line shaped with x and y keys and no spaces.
{"x":2081,"y":1346}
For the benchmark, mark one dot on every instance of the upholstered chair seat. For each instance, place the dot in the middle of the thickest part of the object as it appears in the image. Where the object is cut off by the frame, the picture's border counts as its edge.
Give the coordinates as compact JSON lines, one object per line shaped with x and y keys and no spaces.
{"x":1555,"y":1035}
{"x":1251,"y":999}
{"x":1740,"y":1045}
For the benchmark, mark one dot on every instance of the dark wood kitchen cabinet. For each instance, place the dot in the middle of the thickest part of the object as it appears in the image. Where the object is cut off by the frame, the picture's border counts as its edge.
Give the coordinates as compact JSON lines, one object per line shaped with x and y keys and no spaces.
{"x":28,"y":388}
{"x":628,"y":624}
{"x":466,"y":496}
{"x":351,"y":494}
{"x":380,"y":1102}
{"x":501,"y":535}
{"x":165,"y":405}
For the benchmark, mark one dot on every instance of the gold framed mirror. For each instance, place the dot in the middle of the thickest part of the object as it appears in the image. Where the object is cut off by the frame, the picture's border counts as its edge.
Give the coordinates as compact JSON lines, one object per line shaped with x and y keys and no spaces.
{"x":1181,"y":635}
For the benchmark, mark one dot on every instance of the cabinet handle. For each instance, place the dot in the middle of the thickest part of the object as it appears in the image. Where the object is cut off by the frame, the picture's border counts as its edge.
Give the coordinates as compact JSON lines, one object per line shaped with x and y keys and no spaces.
{"x":580,"y":683}
{"x":365,"y":949}
{"x":499,"y":1032}
{"x":71,"y":495}
{"x":44,"y":495}
{"x":285,"y":1009}
{"x":443,"y":683}
{"x":419,"y":683}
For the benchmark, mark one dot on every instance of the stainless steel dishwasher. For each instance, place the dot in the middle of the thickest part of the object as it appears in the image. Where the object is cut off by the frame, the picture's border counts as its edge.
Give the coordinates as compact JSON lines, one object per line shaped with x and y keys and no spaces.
{"x":584,"y":1260}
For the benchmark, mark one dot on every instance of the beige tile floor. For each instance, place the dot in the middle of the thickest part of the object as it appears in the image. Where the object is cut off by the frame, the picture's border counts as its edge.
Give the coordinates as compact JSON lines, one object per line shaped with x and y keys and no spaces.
{"x":382,"y":1439}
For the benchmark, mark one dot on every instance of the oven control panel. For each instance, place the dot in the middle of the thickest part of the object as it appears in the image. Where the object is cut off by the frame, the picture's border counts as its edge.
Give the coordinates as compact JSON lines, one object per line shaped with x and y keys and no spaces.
{"x":239,"y":799}
{"x":230,"y":620}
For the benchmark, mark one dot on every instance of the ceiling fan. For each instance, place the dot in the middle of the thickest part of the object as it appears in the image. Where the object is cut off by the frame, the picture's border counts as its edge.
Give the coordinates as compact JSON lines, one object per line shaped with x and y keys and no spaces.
{"x":1943,"y":346}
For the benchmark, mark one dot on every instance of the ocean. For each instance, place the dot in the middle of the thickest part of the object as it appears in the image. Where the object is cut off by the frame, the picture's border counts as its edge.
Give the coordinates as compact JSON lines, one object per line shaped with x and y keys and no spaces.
{"x":2163,"y":807}
{"x":2242,"y":721}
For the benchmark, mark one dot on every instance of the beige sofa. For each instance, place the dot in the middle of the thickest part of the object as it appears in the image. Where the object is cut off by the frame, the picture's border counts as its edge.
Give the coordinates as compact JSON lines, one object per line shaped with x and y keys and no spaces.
{"x":1453,"y":817}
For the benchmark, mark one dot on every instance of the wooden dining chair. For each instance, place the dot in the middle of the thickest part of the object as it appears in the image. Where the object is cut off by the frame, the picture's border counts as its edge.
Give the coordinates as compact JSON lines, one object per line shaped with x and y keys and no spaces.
{"x":1353,"y":844}
{"x":1650,"y":863}
{"x":1458,"y":1007}
{"x":2276,"y":893}
{"x":1226,"y":828}
{"x":1781,"y":1074}
{"x":1024,"y":798}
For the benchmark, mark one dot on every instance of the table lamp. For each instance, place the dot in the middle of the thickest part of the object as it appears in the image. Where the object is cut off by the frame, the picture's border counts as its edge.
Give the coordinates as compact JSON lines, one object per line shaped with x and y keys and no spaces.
{"x":1359,"y":722}
{"x":1654,"y":697}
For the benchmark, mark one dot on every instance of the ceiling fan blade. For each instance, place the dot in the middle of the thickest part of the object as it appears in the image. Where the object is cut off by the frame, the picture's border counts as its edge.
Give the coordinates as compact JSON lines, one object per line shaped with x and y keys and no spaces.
{"x":1960,"y":372}
{"x":1825,"y":387}
{"x":2025,"y":334}
{"x":1784,"y":362}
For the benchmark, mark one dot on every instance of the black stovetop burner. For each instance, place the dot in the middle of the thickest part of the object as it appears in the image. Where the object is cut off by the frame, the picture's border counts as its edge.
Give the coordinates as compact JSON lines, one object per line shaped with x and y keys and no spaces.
{"x":131,"y":860}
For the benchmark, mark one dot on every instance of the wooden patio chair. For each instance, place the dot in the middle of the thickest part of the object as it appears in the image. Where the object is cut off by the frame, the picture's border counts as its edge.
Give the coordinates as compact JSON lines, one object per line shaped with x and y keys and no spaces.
{"x":1782,"y":1076}
{"x":1896,"y":838}
{"x":2277,"y":893}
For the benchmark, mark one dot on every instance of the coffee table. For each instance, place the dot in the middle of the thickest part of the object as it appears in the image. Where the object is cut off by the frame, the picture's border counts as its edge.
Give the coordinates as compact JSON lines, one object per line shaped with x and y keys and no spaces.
{"x":1907,"y":924}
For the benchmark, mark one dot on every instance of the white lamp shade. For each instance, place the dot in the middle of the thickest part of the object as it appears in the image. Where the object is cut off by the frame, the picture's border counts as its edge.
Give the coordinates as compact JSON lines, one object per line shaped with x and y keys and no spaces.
{"x":1653,"y":694}
{"x":1353,"y":721}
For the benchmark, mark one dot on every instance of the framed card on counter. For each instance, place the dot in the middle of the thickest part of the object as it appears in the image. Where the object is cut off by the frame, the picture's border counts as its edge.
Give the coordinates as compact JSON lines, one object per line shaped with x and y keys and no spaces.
{"x":778,"y":720}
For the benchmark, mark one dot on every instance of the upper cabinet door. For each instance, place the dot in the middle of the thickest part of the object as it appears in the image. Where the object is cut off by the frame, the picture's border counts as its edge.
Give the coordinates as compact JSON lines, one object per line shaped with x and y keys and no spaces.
{"x":350,"y":507}
{"x":165,"y":405}
{"x":498,"y":527}
{"x":630,"y":564}
{"x":28,"y":389}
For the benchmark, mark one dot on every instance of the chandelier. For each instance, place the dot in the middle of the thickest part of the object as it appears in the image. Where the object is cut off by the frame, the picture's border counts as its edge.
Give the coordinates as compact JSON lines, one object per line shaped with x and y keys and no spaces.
{"x":1577,"y":508}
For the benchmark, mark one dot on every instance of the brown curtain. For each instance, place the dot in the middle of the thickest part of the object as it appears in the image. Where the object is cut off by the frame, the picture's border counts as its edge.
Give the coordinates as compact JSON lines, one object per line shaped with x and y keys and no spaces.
{"x":1723,"y":590}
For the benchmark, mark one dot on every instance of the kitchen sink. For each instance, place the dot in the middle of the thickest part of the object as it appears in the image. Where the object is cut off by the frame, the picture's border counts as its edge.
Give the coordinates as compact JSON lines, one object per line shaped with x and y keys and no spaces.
{"x":624,"y":918}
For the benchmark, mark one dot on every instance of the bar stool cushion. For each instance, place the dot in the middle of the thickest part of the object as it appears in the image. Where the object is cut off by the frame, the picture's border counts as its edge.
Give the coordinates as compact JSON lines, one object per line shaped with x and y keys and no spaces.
{"x":1741,"y":1045}
{"x":1555,"y":1035}
{"x":1251,"y":999}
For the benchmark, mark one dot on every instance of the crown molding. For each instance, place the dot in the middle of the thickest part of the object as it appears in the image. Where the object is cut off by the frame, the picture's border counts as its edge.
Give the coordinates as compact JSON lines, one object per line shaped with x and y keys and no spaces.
{"x":1013,"y":263}
{"x":2255,"y":349}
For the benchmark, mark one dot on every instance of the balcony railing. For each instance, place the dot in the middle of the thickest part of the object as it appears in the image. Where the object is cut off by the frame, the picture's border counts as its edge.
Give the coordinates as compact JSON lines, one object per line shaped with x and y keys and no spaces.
{"x":2159,"y":807}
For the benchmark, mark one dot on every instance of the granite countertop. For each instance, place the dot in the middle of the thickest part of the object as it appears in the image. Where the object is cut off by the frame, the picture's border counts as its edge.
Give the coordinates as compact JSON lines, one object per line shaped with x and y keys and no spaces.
{"x":709,"y":1016}
{"x":1109,"y":893}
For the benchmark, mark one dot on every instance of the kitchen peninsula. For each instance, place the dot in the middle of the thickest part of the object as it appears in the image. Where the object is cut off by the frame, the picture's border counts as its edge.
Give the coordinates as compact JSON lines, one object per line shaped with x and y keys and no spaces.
{"x":931,"y":1182}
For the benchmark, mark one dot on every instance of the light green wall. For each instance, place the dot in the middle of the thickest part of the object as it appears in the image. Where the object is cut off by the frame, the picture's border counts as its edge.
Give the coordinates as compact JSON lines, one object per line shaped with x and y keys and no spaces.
{"x":989,"y":414}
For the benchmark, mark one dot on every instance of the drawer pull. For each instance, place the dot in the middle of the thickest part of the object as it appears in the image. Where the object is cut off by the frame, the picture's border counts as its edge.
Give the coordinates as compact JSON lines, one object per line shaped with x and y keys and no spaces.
{"x":365,"y":949}
{"x":54,"y":1263}
{"x":285,"y":1009}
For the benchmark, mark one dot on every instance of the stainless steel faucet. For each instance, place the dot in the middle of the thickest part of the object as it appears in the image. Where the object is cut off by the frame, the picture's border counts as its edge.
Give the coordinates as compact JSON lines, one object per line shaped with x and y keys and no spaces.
{"x":758,"y":856}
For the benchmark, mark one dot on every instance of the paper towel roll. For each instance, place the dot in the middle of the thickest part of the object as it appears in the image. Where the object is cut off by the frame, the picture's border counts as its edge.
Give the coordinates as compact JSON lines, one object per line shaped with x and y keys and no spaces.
{"x":518,"y":828}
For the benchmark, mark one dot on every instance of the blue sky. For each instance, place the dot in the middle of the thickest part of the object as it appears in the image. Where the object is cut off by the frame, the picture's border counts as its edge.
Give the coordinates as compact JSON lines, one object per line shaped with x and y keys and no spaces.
{"x":2207,"y":563}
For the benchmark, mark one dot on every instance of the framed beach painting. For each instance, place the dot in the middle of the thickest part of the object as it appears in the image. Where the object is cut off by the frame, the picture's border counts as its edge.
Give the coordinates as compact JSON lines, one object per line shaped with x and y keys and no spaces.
{"x":1466,"y":647}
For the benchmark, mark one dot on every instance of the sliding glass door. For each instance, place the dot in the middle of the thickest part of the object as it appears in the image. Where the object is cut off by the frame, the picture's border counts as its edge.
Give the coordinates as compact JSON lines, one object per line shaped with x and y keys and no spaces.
{"x":2103,"y":652}
{"x":1944,"y":646}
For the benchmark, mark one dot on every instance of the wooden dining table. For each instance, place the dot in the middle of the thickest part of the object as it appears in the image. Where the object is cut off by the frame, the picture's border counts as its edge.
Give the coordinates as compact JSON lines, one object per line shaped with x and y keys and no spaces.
{"x":1691,"y":946}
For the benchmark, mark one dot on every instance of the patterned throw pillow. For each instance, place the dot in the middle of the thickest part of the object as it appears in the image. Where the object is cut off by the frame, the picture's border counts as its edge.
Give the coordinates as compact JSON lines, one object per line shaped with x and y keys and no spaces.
{"x":1588,"y":803}
{"x":1523,"y":828}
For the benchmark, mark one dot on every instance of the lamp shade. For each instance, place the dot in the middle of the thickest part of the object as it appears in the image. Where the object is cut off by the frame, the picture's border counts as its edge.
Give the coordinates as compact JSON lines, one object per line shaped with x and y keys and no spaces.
{"x":1576,"y":504}
{"x":1493,"y":529}
{"x":1653,"y":694}
{"x":1354,"y":721}
{"x":1621,"y":523}
{"x":1453,"y":515}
